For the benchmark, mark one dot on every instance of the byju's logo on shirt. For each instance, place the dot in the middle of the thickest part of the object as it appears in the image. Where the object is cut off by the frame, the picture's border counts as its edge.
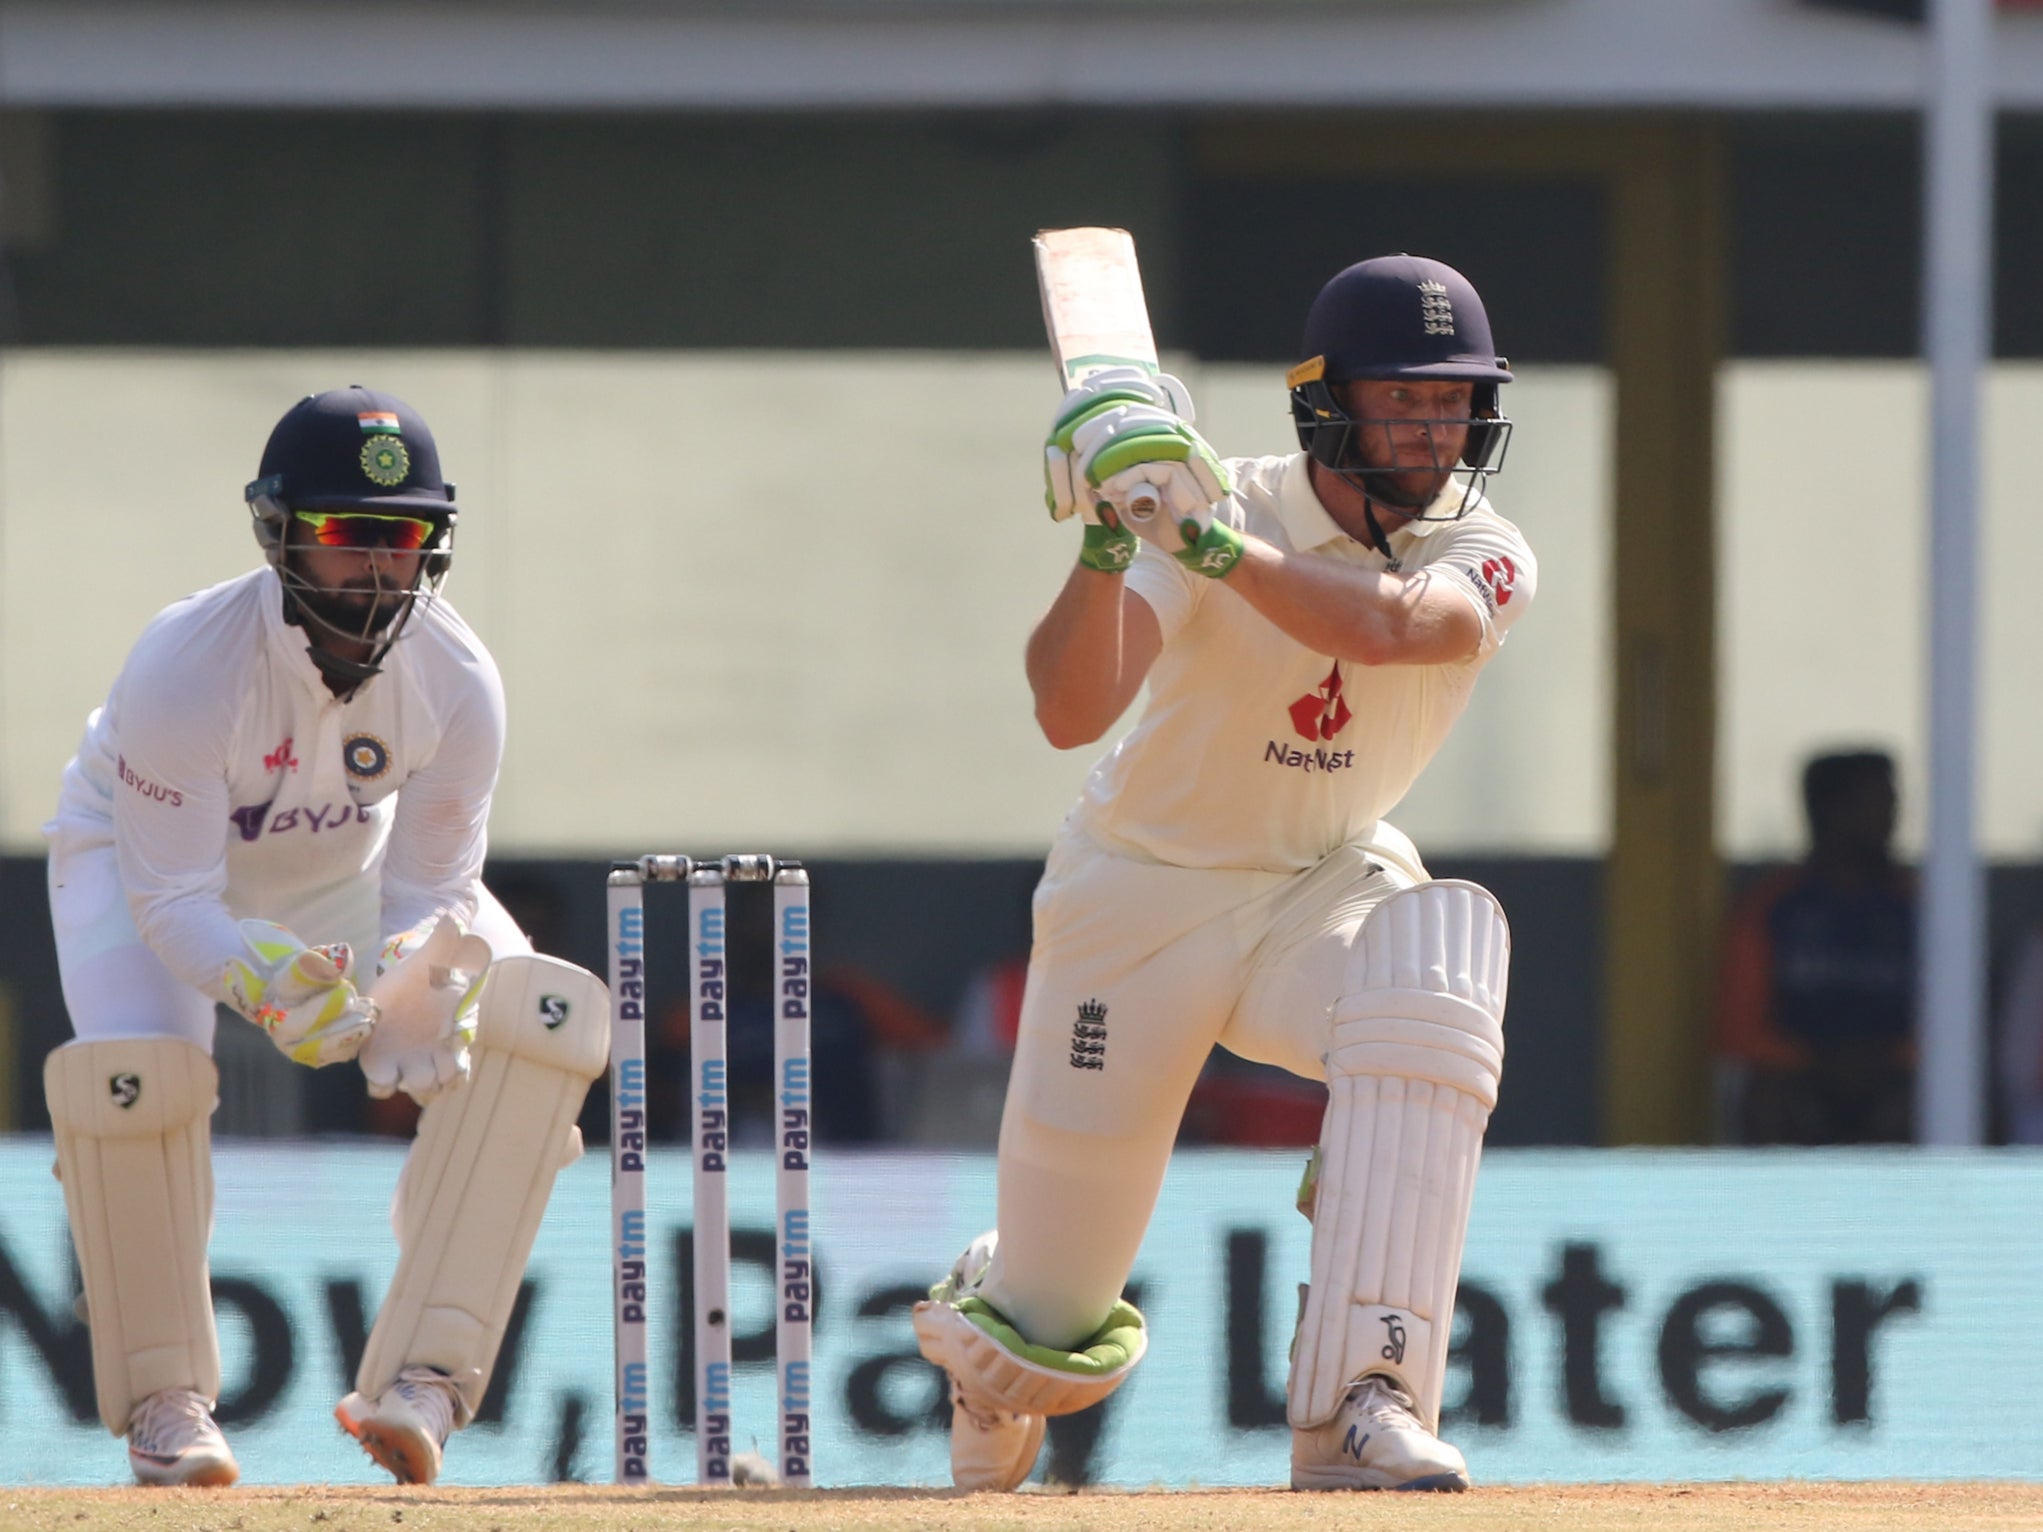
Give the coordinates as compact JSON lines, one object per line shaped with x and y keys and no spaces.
{"x":147,"y":788}
{"x":256,"y":819}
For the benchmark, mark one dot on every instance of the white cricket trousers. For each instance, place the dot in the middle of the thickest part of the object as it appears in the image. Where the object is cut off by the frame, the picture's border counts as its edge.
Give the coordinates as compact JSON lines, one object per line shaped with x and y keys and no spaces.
{"x":115,"y":986}
{"x":1136,"y":972}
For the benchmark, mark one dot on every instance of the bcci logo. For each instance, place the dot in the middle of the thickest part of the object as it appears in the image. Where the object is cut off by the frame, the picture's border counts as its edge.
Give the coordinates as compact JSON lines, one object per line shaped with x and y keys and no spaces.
{"x":385,"y":460}
{"x":126,"y":1090}
{"x":366,"y":757}
{"x":553,"y":1012}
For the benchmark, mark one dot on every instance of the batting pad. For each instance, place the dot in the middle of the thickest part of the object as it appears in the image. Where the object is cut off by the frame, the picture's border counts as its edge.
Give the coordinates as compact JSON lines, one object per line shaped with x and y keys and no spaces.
{"x":970,"y":1339}
{"x":133,"y":1122}
{"x":1418,"y":1049}
{"x":480,"y":1172}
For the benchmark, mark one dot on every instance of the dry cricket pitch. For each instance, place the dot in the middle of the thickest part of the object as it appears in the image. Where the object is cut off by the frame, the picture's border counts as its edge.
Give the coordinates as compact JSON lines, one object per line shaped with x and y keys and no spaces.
{"x":1790,"y":1507}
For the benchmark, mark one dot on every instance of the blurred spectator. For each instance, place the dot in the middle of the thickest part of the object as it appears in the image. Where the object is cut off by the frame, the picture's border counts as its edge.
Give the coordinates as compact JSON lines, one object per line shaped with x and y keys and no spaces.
{"x":1816,"y":1002}
{"x":2019,"y":1052}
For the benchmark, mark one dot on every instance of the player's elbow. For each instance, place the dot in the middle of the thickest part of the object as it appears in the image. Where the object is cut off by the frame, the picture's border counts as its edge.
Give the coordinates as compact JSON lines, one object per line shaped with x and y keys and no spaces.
{"x":1065,"y":729}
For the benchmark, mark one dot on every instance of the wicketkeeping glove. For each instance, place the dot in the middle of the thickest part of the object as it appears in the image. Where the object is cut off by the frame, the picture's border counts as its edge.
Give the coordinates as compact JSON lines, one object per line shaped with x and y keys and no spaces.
{"x":300,"y":995}
{"x":427,"y":983}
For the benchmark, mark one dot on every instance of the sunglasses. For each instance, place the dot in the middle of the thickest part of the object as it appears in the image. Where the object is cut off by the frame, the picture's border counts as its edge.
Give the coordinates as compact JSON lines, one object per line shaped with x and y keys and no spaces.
{"x":362,"y":529}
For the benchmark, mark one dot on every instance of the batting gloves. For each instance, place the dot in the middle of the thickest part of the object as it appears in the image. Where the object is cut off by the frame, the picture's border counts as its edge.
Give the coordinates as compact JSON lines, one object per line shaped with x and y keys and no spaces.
{"x":1122,"y":453}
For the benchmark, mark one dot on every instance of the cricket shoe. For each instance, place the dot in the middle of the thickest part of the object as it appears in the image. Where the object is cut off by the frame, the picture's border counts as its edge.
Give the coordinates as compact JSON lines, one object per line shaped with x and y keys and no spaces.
{"x":991,"y":1449}
{"x":406,"y":1428}
{"x":173,"y":1439}
{"x":1375,"y":1441}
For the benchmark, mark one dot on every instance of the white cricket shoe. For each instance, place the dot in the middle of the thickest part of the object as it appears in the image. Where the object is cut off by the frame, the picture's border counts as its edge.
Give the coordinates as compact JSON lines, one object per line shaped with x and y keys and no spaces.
{"x":991,"y":1449}
{"x":407,"y":1427}
{"x":1376,"y":1441}
{"x":173,"y":1439}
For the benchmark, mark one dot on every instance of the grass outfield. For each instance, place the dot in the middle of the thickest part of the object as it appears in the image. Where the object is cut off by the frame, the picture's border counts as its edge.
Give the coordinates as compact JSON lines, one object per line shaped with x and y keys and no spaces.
{"x":572,"y":1508}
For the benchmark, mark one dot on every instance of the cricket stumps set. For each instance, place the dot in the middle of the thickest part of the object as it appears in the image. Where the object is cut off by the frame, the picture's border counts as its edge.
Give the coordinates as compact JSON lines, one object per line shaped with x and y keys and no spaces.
{"x":710,"y":1142}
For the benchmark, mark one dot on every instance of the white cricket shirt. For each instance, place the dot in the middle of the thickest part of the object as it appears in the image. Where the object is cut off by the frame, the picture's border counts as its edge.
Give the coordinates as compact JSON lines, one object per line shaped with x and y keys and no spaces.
{"x":1252,"y":750}
{"x":231,"y":783}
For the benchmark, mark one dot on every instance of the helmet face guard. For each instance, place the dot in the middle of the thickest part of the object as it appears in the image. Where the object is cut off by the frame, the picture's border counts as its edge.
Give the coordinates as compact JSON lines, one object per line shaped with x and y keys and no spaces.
{"x":1401,"y":317}
{"x":1334,"y":439}
{"x":354,"y":453}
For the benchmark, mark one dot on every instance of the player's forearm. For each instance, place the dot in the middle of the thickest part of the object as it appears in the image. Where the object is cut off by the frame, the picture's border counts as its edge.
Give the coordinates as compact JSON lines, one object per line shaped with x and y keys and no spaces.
{"x":1350,"y":613}
{"x":1076,"y":660}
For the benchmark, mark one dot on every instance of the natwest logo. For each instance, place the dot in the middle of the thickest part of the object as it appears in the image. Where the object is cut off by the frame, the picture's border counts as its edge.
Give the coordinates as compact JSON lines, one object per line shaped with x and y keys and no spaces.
{"x":1324,"y":713}
{"x":1496,"y":579}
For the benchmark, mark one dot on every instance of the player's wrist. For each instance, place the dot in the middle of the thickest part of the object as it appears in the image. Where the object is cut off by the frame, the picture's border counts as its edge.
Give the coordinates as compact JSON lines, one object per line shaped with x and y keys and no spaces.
{"x":1216,"y":552}
{"x":1106,"y":550}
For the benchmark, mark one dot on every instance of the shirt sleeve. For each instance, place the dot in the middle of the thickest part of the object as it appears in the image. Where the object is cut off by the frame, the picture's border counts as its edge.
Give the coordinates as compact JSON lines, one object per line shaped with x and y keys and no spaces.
{"x":439,"y":835}
{"x":175,"y":726}
{"x":1171,"y":590}
{"x":1488,"y":561}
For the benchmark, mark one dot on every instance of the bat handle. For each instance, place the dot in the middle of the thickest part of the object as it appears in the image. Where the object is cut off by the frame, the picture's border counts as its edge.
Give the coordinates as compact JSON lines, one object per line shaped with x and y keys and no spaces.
{"x":1144,"y":501}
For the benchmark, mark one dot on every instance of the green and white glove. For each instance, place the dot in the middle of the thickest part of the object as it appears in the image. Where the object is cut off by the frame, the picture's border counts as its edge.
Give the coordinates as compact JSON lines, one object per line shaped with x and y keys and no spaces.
{"x":301,"y":996}
{"x":427,"y":983}
{"x":1109,"y":545}
{"x":1140,"y":450}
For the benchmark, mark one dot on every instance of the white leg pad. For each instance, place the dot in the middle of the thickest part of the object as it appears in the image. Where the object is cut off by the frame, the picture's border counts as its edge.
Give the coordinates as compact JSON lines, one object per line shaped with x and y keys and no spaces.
{"x":1418,"y":1050}
{"x":133,"y":1121}
{"x":480,"y":1172}
{"x":994,"y":1365}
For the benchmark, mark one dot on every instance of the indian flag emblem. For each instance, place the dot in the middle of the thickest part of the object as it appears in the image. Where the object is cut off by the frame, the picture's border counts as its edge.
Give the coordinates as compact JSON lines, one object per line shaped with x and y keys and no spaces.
{"x":373,"y":421}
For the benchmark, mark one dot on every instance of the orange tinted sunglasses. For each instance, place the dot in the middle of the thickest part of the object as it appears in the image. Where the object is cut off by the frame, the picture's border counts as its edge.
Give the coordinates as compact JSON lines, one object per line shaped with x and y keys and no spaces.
{"x":364,"y":529}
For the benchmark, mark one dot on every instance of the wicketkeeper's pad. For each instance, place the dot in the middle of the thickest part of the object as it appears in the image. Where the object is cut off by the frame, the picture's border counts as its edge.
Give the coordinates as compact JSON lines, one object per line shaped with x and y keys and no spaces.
{"x":480,"y":1172}
{"x":133,"y":1121}
{"x":1418,"y":1050}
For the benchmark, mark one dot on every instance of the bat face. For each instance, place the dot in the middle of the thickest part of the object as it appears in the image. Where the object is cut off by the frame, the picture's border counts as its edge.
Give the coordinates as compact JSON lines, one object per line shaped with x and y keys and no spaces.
{"x":1093,"y":309}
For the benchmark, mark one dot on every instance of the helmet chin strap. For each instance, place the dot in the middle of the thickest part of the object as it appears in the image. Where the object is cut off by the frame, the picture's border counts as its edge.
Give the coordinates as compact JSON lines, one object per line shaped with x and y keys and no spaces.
{"x":345,"y":676}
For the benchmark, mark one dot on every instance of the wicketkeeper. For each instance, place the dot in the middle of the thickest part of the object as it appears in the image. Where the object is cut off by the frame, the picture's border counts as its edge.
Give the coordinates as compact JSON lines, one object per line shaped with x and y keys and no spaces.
{"x":293,"y":768}
{"x":1309,"y":628}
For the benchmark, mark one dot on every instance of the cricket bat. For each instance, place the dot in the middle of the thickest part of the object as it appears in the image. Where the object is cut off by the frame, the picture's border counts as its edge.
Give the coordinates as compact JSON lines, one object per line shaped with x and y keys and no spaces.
{"x":1095,"y":315}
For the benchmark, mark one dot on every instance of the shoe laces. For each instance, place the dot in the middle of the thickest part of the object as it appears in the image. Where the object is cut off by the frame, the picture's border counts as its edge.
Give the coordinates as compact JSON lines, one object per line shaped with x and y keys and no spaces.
{"x":987,"y":1417}
{"x":171,"y":1417}
{"x":1382,"y":1401}
{"x":431,"y":1393}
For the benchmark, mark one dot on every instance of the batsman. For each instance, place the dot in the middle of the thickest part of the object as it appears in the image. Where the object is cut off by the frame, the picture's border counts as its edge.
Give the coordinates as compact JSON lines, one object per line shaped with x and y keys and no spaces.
{"x":292,"y":768}
{"x":1309,"y":627}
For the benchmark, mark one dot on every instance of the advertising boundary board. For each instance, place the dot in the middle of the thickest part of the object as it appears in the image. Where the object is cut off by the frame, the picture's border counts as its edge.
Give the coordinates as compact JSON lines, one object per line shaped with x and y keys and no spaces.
{"x":1625,"y":1315}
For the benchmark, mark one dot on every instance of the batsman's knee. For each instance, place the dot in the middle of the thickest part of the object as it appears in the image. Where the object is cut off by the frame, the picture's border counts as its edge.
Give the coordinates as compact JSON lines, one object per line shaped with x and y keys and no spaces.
{"x":1425,"y":989}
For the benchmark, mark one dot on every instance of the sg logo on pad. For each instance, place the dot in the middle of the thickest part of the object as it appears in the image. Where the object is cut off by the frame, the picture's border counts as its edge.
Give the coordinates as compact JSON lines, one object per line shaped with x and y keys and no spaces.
{"x":125,"y":1089}
{"x":555,"y":1011}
